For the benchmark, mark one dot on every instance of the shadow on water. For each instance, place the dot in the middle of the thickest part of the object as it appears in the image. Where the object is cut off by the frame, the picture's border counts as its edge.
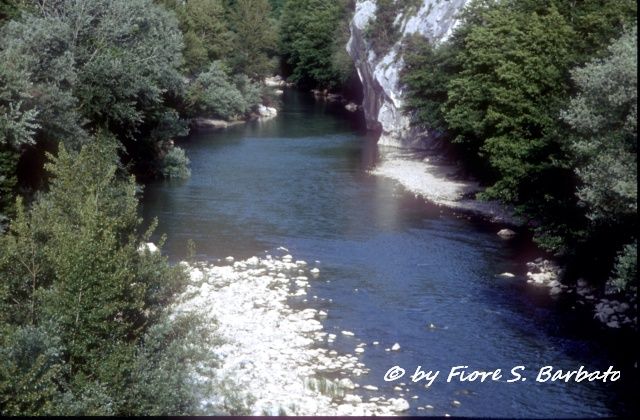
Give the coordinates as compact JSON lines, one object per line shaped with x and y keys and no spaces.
{"x":393,"y":268}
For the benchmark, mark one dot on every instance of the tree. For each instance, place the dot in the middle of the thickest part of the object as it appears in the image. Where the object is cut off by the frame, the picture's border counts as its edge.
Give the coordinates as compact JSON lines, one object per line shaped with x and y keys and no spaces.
{"x":496,"y":89}
{"x":426,"y":73}
{"x":313,"y":38}
{"x":255,"y":38}
{"x":98,"y":64}
{"x":206,"y":34}
{"x":603,"y":116}
{"x":216,"y":93}
{"x":83,"y":308}
{"x":505,"y":100}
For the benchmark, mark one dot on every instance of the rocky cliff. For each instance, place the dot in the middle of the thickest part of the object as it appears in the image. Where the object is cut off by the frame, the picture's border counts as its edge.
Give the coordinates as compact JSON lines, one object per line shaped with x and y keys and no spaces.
{"x":383,"y":95}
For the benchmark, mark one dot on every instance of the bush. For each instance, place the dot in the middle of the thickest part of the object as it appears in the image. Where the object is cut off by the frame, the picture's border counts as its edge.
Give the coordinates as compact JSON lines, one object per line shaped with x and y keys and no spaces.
{"x":216,"y":93}
{"x":314,"y":35}
{"x":82,"y":311}
{"x":176,"y":164}
{"x":625,"y":274}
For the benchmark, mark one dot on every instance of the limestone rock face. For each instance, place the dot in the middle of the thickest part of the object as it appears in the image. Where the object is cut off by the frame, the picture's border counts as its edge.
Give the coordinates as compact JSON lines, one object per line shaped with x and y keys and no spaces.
{"x":383,"y":94}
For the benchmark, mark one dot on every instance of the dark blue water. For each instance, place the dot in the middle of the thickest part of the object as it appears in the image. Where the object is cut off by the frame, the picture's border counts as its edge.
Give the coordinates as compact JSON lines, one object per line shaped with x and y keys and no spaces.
{"x":391,"y":265}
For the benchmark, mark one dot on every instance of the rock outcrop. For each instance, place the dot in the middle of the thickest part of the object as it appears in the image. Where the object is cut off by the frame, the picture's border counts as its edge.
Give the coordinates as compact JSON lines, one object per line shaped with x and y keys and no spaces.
{"x":379,"y":74}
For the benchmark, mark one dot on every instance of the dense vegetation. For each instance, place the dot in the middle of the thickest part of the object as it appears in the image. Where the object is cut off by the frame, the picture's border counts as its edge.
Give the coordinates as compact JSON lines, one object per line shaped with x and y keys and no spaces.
{"x":92,"y":91}
{"x":137,"y":69}
{"x":314,"y":34}
{"x":83,"y":324}
{"x":539,"y":97}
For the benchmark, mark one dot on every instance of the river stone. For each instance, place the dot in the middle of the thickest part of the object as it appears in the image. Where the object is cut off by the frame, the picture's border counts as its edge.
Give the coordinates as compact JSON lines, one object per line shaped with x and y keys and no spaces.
{"x":345,"y":410}
{"x":351,"y":107}
{"x":506,"y":233}
{"x":607,"y":310}
{"x":398,"y":404}
{"x":623,"y":307}
{"x":346,"y":383}
{"x":266,"y":112}
{"x":352,"y":398}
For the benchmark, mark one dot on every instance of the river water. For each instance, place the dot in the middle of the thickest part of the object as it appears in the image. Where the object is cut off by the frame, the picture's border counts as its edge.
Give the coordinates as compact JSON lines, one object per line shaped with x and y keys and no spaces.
{"x":394,"y":268}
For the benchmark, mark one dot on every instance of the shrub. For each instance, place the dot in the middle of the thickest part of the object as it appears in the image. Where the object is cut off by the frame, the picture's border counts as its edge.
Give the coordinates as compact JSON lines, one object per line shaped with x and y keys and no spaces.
{"x":176,"y":164}
{"x":216,"y":93}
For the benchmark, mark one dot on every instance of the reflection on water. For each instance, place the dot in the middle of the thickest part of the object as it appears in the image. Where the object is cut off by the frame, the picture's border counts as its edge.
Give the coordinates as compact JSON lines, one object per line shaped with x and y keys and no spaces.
{"x":391,"y":264}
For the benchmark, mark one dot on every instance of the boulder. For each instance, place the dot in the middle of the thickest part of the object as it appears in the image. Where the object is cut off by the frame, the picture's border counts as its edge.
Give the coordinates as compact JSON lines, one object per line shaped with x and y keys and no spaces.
{"x":555,"y":291}
{"x":209,"y":123}
{"x":266,"y":112}
{"x":346,"y":383}
{"x":506,"y":233}
{"x":398,"y":404}
{"x":351,"y":107}
{"x":275,"y":81}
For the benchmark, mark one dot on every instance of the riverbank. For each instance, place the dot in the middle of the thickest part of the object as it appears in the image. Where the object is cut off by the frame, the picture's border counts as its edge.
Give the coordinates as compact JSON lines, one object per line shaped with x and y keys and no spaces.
{"x":275,"y":355}
{"x":438,"y":183}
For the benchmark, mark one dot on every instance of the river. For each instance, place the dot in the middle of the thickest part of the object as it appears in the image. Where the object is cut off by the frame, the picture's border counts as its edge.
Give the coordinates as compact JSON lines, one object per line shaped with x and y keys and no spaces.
{"x":394,"y":268}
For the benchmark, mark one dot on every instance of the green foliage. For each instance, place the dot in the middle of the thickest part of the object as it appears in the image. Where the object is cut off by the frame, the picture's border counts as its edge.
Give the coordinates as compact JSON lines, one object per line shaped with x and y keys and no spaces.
{"x":83,"y":320}
{"x":604,"y":116}
{"x":176,"y":164}
{"x":74,"y":66}
{"x":10,"y":9}
{"x":32,"y":370}
{"x":216,"y":93}
{"x":8,"y":180}
{"x":497,"y":90}
{"x":427,"y":73}
{"x":497,"y":87}
{"x":625,"y":276}
{"x":255,"y":38}
{"x":206,"y":35}
{"x":505,"y":100}
{"x":382,"y":32}
{"x":313,"y":38}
